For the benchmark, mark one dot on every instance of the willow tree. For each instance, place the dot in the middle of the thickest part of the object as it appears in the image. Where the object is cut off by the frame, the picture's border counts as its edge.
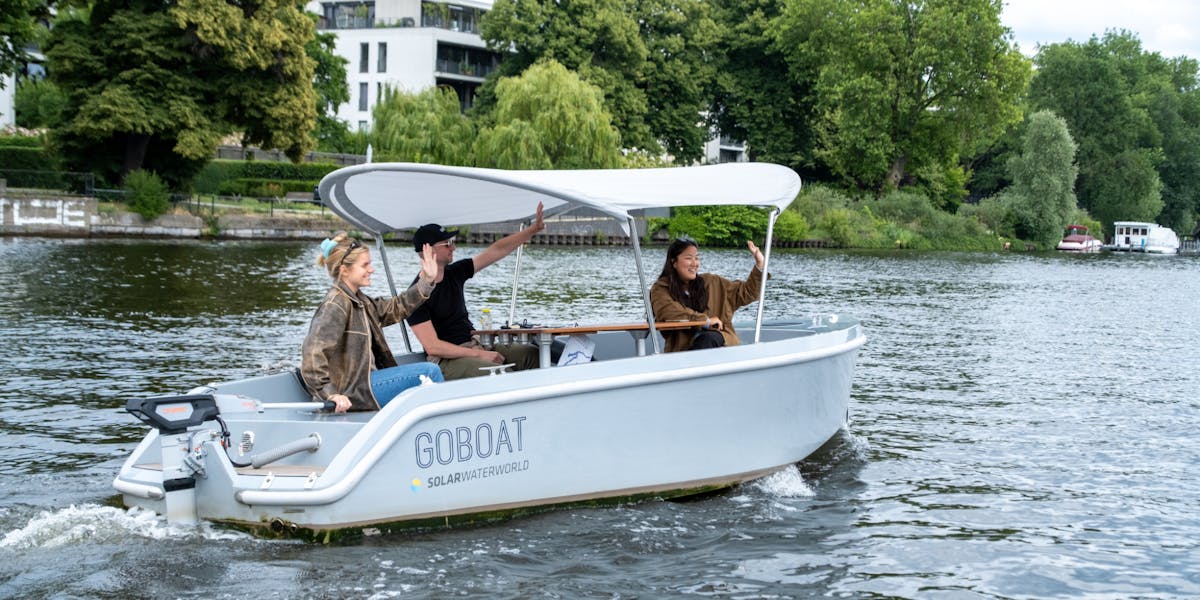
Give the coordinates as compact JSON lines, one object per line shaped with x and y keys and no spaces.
{"x":424,"y":127}
{"x":548,"y":118}
{"x":900,"y":86}
{"x":157,"y":84}
{"x":651,"y":58}
{"x":1043,"y":175}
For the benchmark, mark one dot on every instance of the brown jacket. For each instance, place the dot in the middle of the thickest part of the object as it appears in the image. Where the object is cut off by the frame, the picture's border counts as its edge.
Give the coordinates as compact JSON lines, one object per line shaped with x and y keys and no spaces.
{"x":345,"y":333}
{"x":724,"y":297}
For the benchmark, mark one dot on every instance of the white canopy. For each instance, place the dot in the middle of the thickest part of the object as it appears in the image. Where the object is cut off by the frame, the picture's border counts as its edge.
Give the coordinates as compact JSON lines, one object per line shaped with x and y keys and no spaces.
{"x":383,"y":197}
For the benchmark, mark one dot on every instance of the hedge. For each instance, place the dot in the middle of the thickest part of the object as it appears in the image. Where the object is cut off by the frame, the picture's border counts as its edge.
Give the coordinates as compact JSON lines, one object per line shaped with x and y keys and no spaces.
{"x":264,"y":188}
{"x":218,"y":175}
{"x":20,"y":141}
{"x":20,"y":157}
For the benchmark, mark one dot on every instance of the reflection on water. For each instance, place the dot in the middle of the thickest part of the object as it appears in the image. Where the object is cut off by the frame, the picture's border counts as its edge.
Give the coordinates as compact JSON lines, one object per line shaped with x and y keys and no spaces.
{"x":1022,"y":426}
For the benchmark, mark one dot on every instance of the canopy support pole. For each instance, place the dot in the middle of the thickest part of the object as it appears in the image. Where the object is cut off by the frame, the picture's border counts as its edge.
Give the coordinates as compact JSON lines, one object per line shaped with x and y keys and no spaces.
{"x":387,"y":270}
{"x":512,"y":305}
{"x":637,"y":258}
{"x":762,"y":288}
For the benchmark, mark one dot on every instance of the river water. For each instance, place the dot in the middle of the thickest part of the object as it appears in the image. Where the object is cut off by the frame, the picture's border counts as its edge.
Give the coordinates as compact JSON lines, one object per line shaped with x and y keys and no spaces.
{"x":1022,"y":426}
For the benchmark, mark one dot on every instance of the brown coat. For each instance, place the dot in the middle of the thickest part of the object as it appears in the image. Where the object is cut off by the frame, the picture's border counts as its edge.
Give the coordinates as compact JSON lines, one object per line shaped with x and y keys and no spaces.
{"x":346,"y":331}
{"x":724,"y":297}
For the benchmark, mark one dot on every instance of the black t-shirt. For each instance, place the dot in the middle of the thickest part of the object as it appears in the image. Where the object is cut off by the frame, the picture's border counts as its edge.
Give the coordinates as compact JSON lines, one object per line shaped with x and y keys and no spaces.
{"x":446,"y":307}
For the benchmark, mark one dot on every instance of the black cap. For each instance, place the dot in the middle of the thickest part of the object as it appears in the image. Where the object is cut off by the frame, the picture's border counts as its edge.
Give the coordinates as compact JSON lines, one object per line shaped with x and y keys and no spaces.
{"x":431,"y":234}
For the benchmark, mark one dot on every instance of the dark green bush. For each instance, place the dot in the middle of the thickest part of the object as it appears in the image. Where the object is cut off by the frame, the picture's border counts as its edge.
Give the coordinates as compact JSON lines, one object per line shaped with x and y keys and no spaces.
{"x":247,"y":177}
{"x":25,"y":157}
{"x":264,"y":188}
{"x":146,"y":194}
{"x":21,"y":141}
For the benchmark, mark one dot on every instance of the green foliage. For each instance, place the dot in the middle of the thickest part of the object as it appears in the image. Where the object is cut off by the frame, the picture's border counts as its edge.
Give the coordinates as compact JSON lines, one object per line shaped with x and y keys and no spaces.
{"x":900,"y":219}
{"x":946,"y":186}
{"x":1126,"y":188}
{"x":791,"y":227}
{"x":23,"y":157}
{"x":332,"y":89}
{"x":22,"y":141}
{"x":514,"y":145}
{"x":1136,"y":119}
{"x":158,"y":84}
{"x":18,"y":28}
{"x":548,"y":118}
{"x":265,"y":188}
{"x":719,"y":225}
{"x":247,"y":178}
{"x":902,"y":87}
{"x":1043,"y":176}
{"x":146,"y":194}
{"x":425,"y":127}
{"x":38,"y":104}
{"x":651,"y":60}
{"x":754,"y":101}
{"x":994,"y":213}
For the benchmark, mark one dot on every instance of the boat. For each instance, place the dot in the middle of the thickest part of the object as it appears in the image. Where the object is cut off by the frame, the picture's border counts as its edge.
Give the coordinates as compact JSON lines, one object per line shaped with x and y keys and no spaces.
{"x":1077,"y":239}
{"x":633,"y":423}
{"x":1137,"y":236}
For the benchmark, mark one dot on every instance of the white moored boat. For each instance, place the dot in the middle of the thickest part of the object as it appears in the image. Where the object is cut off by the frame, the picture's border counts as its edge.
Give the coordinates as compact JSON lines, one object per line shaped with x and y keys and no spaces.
{"x":1136,"y":236}
{"x":634,"y":423}
{"x":1077,"y":239}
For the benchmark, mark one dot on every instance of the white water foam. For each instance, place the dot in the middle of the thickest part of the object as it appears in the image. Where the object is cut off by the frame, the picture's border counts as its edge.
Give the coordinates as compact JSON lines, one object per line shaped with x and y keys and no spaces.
{"x":91,"y":523}
{"x":787,"y":483}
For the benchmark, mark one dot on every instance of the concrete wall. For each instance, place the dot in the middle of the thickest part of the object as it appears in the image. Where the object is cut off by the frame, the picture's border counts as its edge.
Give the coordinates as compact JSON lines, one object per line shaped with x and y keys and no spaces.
{"x":46,"y":215}
{"x":71,"y":216}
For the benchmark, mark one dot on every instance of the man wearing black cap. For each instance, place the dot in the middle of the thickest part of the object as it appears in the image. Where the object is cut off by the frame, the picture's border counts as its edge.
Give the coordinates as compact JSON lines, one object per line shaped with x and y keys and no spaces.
{"x":443,"y":325}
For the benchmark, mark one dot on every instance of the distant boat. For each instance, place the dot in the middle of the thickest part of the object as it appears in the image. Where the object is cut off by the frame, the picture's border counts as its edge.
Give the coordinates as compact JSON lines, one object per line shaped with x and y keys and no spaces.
{"x":1136,"y":236}
{"x":1078,"y":240}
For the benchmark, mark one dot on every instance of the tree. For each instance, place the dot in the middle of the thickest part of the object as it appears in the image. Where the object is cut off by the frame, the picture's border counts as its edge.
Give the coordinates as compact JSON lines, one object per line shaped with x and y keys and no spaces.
{"x":1136,"y":118}
{"x":425,"y":127}
{"x":649,"y":57}
{"x":18,"y":27}
{"x":157,"y":84}
{"x":332,"y":89}
{"x":38,"y":103}
{"x":754,"y":100}
{"x":899,"y":87}
{"x":548,"y":118}
{"x":1043,"y":175}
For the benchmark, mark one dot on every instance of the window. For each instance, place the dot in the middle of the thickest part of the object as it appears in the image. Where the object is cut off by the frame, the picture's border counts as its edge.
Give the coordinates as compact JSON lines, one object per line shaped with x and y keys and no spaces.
{"x":362,"y":125}
{"x":381,"y":60}
{"x":362,"y":96}
{"x":364,"y":52}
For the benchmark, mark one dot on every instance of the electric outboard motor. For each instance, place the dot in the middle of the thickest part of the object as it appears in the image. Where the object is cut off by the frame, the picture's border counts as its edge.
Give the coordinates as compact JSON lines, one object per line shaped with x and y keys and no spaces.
{"x":173,"y":417}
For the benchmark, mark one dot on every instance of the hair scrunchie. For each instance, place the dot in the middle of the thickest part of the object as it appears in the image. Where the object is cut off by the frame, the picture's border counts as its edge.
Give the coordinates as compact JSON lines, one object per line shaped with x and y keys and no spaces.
{"x":327,"y":246}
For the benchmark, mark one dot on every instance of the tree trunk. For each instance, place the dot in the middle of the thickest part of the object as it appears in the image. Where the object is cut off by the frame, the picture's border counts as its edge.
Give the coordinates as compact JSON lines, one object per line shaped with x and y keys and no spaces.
{"x":135,"y":153}
{"x":896,"y":172}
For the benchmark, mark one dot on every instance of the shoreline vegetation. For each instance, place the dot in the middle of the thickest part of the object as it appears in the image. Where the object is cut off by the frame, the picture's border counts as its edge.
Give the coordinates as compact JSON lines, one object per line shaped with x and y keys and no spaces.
{"x":819,"y":218}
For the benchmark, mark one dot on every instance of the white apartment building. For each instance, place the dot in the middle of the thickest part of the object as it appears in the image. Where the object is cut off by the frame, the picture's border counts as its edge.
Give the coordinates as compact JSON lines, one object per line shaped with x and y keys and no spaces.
{"x":7,"y":114}
{"x":413,"y":45}
{"x":410,"y":45}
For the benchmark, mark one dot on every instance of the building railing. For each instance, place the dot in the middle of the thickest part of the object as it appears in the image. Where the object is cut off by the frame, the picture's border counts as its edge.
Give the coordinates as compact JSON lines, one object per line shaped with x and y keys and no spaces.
{"x":452,"y":67}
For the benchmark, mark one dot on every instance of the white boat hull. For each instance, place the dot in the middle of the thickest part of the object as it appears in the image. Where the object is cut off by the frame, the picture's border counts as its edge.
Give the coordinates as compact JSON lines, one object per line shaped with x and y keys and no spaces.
{"x":618,"y":428}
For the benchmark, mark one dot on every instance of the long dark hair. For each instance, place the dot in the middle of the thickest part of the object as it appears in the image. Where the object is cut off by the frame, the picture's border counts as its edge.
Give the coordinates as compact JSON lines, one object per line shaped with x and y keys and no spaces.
{"x":688,"y":293}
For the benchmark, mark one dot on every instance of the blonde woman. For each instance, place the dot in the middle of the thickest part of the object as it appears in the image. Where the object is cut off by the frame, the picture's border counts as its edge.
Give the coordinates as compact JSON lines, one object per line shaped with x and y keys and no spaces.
{"x":345,"y":358}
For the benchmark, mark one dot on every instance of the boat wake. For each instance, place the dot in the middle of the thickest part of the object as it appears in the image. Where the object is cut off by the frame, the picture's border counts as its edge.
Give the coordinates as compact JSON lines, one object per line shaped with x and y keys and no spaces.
{"x":788,"y":483}
{"x":92,"y":523}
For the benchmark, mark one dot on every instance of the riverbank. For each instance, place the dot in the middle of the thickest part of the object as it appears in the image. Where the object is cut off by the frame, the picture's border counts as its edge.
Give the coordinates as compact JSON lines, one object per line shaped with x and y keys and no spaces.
{"x":37,"y":213}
